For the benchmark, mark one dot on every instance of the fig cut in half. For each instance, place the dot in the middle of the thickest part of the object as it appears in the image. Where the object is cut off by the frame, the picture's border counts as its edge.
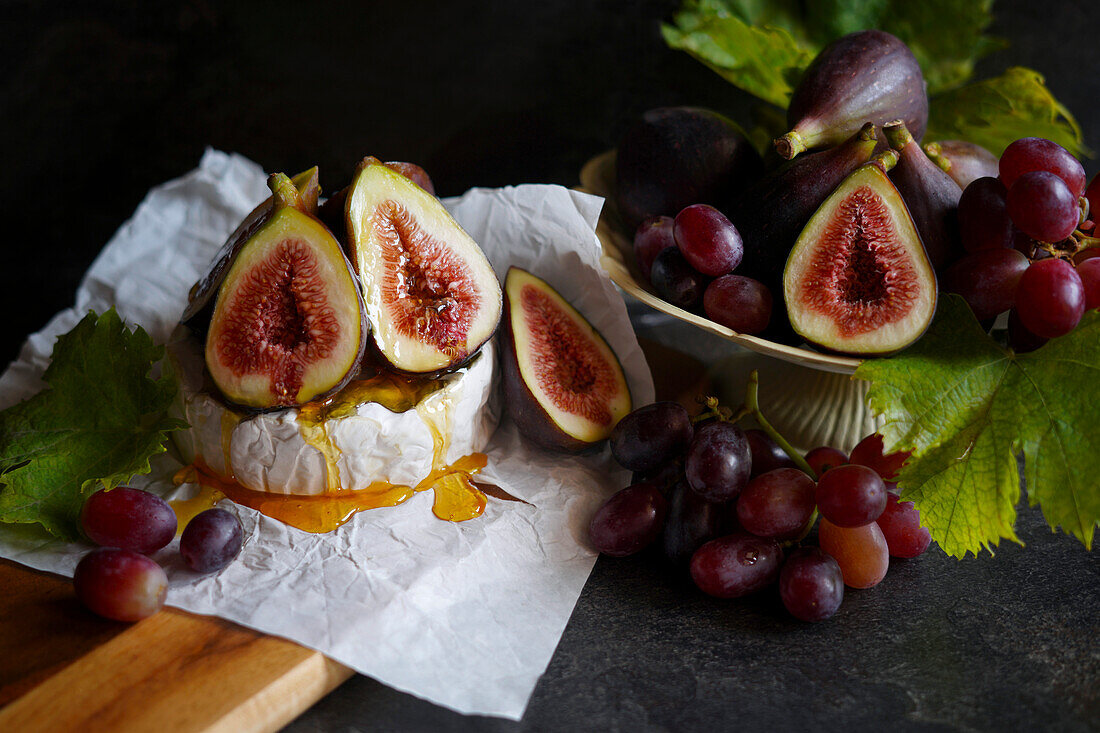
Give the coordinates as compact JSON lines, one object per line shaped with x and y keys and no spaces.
{"x":431,"y":296}
{"x":564,"y":385}
{"x":858,"y":280}
{"x":288,"y":324}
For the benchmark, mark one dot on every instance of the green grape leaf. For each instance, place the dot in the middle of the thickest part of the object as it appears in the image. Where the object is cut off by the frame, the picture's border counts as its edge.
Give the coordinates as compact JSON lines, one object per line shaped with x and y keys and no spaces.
{"x":967,"y":408}
{"x":994,"y":112}
{"x":763,"y":61}
{"x":98,"y":423}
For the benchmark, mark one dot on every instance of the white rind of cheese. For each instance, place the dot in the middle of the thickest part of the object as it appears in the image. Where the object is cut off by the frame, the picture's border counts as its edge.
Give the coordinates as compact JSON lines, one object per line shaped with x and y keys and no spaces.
{"x":268,"y":453}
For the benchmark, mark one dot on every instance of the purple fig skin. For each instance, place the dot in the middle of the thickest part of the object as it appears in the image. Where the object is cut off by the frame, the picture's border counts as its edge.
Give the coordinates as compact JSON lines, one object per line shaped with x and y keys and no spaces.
{"x":931,"y":196}
{"x":530,"y":417}
{"x":868,"y":75}
{"x":772,"y":213}
{"x":964,"y":162}
{"x":673,"y":157}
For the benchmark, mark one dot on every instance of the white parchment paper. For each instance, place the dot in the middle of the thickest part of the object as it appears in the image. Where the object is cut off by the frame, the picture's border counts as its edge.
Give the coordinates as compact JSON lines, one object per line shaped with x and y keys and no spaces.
{"x":467,"y":614}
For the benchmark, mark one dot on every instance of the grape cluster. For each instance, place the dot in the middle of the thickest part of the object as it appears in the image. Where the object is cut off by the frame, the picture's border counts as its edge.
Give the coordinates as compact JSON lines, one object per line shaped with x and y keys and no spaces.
{"x":1027,"y":234}
{"x":118,"y":580}
{"x":737,"y":509}
{"x":690,"y":260}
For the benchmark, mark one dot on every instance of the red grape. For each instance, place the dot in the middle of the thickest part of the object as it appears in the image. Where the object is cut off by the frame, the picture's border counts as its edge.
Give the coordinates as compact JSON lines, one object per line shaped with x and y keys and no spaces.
{"x":718,"y":461}
{"x":983,"y":218}
{"x":211,"y":540}
{"x":738,"y":303}
{"x":736,"y":565}
{"x":777,"y":504}
{"x":651,"y":435}
{"x":861,"y":552}
{"x":130,"y":519}
{"x":823,"y":458}
{"x":1038,"y":154}
{"x":1092,"y":193}
{"x":868,"y":452}
{"x":709,"y":241}
{"x":987,"y":280}
{"x":1019,"y":338}
{"x":766,"y":453}
{"x":676,"y":281}
{"x":1050,"y":298}
{"x":629,"y":521}
{"x":120,"y":584}
{"x":691,"y":521}
{"x":652,"y":236}
{"x":1089,"y":272}
{"x":811,"y":584}
{"x":851,"y":496}
{"x":1042,"y":207}
{"x":900,"y":525}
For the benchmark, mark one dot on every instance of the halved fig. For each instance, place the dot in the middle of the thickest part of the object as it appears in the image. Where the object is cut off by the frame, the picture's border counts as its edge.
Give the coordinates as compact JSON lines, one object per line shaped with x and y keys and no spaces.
{"x":858,"y":280}
{"x":200,"y":301}
{"x":288,"y":324}
{"x":432,"y":297}
{"x":564,"y":385}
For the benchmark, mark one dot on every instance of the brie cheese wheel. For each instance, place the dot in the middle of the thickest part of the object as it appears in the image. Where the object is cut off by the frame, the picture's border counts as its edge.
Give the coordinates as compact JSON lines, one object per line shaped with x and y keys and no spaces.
{"x":279,"y":453}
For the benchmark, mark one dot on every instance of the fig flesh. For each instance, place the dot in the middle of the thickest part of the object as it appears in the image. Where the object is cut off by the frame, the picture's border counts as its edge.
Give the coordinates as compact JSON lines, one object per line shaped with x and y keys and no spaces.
{"x":770,"y":215}
{"x":563,"y":384}
{"x":677,"y":156}
{"x":858,"y":280}
{"x":288,"y":324}
{"x":200,"y":302}
{"x":931,"y":196}
{"x":864,"y":76}
{"x":964,"y":162}
{"x":431,"y":296}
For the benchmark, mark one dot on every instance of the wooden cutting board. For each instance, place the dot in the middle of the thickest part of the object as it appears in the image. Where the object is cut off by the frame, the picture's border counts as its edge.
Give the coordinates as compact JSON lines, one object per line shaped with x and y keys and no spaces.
{"x":64,"y":669}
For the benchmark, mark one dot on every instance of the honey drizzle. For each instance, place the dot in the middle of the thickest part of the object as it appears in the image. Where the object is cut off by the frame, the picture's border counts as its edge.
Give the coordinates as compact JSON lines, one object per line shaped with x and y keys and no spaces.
{"x":186,"y":509}
{"x":457,"y":498}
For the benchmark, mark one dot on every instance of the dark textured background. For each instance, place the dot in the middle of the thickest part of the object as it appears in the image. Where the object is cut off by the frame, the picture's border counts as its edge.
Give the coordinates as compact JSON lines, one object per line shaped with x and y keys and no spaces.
{"x":99,"y":101}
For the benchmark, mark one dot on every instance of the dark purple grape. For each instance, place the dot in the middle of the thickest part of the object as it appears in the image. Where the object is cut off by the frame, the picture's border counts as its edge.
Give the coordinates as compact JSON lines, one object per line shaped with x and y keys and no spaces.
{"x":1042,"y":207}
{"x":811,"y":584}
{"x":823,"y":458}
{"x":900,"y":525}
{"x":629,"y":521}
{"x":718,"y":461}
{"x":766,"y":453}
{"x":211,"y":540}
{"x":676,"y":281}
{"x":1019,"y":338}
{"x":652,"y":236}
{"x":708,"y":240}
{"x":130,"y":519}
{"x":664,"y":477}
{"x":120,"y":584}
{"x":777,"y":504}
{"x":651,"y":435}
{"x":1050,"y":298}
{"x":983,"y":216}
{"x":1038,"y":154}
{"x":1092,"y":193}
{"x":987,"y":280}
{"x":736,"y":565}
{"x":691,"y":521}
{"x":851,"y":496}
{"x":1089,"y":272}
{"x":738,"y":303}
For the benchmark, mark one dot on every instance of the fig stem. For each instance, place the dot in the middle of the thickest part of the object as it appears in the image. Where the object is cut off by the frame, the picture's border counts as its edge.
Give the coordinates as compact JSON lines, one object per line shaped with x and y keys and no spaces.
{"x":885,"y":160}
{"x":897,"y":134}
{"x":935,"y":153}
{"x":790,"y":145}
{"x":283,"y":191}
{"x":752,"y":402}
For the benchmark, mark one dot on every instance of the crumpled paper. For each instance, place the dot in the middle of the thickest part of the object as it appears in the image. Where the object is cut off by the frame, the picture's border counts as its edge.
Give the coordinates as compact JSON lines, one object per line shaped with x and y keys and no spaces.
{"x":466,"y":615}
